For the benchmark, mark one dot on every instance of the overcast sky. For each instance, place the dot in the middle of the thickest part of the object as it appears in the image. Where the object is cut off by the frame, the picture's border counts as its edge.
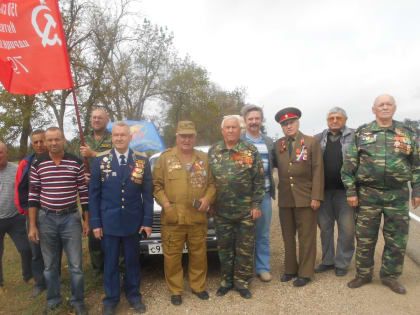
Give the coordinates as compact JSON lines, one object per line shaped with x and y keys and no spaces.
{"x":310,"y":54}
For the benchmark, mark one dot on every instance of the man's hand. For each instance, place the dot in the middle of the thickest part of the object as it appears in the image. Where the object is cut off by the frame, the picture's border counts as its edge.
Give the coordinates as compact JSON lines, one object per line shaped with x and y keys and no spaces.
{"x":204,"y":204}
{"x":353,"y":201}
{"x":167,"y":204}
{"x":33,"y":234}
{"x":415,"y":202}
{"x":147,"y":229}
{"x":98,"y":233}
{"x":87,"y":178}
{"x":87,"y":152}
{"x":256,"y":213}
{"x":315,"y":204}
{"x":85,"y":227}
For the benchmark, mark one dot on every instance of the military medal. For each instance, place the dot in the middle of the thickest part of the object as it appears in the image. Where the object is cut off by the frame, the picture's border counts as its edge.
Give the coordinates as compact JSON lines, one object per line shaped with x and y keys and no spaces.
{"x":137,"y":172}
{"x":282,"y":146}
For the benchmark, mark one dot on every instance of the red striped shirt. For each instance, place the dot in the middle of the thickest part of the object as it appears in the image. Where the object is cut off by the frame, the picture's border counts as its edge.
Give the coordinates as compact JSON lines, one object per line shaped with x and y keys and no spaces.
{"x":55,"y":187}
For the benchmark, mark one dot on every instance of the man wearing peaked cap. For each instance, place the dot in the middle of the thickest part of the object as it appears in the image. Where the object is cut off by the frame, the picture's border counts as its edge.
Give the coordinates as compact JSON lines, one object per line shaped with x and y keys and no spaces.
{"x":301,"y":189}
{"x":183,"y":186}
{"x":287,"y":114}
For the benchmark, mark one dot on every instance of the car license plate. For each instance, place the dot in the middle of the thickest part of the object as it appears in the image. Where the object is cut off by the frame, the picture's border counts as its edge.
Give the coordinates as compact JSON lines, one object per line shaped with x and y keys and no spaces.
{"x":157,"y":249}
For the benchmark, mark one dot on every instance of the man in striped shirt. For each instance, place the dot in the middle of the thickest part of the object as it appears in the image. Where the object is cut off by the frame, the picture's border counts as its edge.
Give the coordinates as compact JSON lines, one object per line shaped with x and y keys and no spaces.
{"x":55,"y":181}
{"x":253,"y":117}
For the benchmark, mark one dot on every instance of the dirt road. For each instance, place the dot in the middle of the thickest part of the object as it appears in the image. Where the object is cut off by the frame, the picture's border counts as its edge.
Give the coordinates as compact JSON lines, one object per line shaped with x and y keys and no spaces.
{"x":327,"y":294}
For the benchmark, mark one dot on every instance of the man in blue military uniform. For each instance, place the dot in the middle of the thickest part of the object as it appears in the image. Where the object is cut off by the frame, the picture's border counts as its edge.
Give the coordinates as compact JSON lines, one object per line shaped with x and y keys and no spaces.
{"x":121,"y":205}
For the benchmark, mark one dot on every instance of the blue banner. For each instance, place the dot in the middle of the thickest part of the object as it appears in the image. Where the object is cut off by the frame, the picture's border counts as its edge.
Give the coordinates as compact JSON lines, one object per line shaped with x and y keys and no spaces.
{"x":144,"y":136}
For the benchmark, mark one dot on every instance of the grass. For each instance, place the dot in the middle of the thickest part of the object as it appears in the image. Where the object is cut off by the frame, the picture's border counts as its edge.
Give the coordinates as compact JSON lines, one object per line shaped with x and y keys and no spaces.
{"x":16,"y":298}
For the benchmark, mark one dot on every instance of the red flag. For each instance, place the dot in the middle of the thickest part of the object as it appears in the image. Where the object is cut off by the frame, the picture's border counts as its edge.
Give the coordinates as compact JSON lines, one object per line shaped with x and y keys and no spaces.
{"x":33,"y":52}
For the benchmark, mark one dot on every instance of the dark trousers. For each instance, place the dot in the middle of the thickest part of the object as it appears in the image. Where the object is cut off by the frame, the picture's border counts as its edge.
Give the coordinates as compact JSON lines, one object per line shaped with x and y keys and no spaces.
{"x":15,"y":227}
{"x":130,"y":248}
{"x":96,"y":253}
{"x":304,"y":222}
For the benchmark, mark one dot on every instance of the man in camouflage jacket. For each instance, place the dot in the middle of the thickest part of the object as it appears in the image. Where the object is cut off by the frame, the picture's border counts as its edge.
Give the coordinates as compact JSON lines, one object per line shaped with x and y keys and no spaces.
{"x":382,"y":159}
{"x":240,"y":188}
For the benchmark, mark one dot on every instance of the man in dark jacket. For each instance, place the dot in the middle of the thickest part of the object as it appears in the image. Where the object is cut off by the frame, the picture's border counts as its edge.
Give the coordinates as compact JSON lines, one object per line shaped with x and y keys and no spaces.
{"x":253,"y":117}
{"x":335,"y":142}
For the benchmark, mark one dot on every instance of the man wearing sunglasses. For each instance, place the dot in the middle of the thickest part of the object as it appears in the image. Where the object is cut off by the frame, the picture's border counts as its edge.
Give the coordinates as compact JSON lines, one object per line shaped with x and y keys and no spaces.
{"x":335,"y":141}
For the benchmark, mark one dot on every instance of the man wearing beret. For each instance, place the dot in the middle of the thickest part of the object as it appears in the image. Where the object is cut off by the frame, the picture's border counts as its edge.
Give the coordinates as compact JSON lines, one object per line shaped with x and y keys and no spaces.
{"x":301,"y":190}
{"x":183,"y":186}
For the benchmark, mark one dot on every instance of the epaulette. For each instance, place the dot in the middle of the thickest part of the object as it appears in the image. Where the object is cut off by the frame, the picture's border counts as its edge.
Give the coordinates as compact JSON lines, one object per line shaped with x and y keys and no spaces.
{"x":103,"y":153}
{"x":358,"y":129}
{"x":165,"y":151}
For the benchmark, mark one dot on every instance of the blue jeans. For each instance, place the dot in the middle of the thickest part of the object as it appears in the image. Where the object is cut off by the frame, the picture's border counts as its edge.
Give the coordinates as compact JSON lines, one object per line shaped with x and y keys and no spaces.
{"x":335,"y":208}
{"x":262,"y":237}
{"x":66,"y":229}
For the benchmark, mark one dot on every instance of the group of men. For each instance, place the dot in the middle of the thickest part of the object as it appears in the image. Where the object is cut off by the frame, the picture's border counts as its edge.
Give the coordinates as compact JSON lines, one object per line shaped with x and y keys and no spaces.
{"x":340,"y":175}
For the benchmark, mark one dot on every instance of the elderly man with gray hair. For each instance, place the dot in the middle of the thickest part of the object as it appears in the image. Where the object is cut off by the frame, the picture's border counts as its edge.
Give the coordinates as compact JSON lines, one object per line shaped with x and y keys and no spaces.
{"x":335,"y":142}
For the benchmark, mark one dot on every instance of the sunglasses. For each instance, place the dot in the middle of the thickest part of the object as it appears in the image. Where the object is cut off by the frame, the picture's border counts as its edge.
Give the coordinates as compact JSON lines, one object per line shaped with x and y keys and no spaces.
{"x":335,"y":118}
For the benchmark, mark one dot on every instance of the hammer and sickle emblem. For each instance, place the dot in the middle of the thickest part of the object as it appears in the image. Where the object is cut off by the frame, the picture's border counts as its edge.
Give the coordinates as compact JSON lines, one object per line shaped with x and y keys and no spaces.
{"x":50,"y":23}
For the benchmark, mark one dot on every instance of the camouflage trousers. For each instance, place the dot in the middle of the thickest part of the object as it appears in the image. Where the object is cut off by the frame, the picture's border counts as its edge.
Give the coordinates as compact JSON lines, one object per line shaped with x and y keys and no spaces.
{"x":393,"y":204}
{"x":235,"y":243}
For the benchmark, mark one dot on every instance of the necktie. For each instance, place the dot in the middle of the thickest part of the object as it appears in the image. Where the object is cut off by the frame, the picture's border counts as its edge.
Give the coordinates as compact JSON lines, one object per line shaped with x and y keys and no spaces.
{"x":122,"y":160}
{"x":290,"y":148}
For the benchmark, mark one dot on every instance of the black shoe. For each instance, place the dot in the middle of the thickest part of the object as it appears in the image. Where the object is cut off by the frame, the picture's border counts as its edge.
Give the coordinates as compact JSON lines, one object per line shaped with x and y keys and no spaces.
{"x":109,"y":310}
{"x":322,"y":268}
{"x":287,"y":277}
{"x":244,"y":293}
{"x":50,"y":308}
{"x":223,"y":290}
{"x":176,"y":299}
{"x":36,"y":291}
{"x":80,"y":309}
{"x":301,"y":281}
{"x":203,"y":295}
{"x":339,"y":272}
{"x":139,"y":307}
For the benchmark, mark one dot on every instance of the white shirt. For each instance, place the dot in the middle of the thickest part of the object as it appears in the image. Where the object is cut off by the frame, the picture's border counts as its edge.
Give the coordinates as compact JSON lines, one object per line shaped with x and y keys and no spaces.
{"x":118,"y":154}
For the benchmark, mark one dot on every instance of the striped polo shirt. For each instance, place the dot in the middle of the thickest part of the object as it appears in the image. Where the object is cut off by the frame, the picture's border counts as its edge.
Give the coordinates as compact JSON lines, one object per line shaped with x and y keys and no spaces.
{"x":55,"y":187}
{"x":259,"y":143}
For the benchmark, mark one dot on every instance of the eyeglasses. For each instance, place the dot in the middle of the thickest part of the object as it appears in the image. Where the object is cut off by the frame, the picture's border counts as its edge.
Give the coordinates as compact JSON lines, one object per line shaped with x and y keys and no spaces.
{"x":335,"y":118}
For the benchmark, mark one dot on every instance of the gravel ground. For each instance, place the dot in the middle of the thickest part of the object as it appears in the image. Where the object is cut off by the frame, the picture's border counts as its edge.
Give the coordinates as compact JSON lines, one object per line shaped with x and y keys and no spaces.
{"x":326,"y":294}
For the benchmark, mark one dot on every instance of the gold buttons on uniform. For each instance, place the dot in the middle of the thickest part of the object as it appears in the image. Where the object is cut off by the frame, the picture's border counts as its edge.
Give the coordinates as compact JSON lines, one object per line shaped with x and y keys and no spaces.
{"x":291,"y":177}
{"x":122,"y":199}
{"x":122,"y":207}
{"x":290,"y":163}
{"x":122,"y":191}
{"x":291,"y":184}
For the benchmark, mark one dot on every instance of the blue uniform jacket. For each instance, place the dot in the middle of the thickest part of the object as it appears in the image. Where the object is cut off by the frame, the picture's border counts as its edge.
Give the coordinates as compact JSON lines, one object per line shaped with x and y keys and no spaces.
{"x":118,"y":204}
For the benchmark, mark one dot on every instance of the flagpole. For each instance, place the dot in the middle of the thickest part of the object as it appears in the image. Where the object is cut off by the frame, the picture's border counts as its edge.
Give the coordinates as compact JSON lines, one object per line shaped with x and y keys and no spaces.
{"x":82,"y":138}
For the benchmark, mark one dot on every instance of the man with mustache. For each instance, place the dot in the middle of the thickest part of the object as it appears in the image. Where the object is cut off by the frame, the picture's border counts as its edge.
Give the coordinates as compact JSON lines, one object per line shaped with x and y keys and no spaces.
{"x":301,"y":190}
{"x":253,"y":117}
{"x":383,"y":158}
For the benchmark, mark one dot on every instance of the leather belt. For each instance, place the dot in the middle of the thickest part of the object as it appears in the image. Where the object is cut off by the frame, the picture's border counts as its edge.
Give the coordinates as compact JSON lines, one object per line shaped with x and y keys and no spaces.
{"x":60,"y":212}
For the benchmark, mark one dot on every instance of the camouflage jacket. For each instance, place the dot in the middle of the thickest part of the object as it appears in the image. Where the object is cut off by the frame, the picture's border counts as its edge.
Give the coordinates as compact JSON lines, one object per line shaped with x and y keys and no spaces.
{"x":382,"y":158}
{"x":239,"y":179}
{"x":102,"y":145}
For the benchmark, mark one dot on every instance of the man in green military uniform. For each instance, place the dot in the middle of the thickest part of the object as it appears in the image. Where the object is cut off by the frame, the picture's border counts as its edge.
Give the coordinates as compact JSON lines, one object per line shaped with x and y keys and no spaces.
{"x":384,"y":156}
{"x":183,"y":186}
{"x":240,"y":188}
{"x":97,"y":141}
